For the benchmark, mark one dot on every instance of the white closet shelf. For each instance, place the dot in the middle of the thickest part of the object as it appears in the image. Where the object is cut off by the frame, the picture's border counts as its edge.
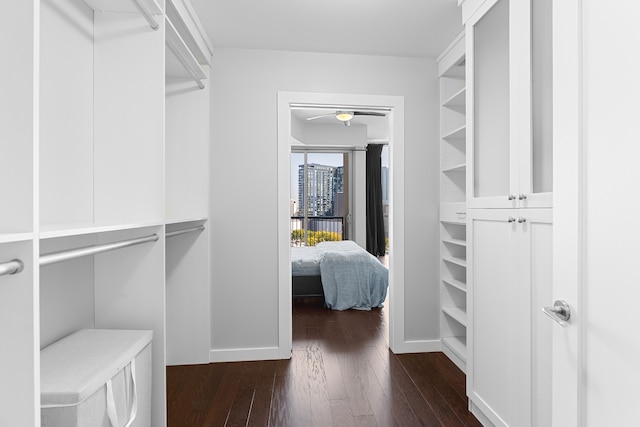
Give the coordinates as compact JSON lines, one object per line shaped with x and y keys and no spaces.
{"x":124,"y":6}
{"x":458,"y":242}
{"x":457,"y":100}
{"x":177,"y":221}
{"x":457,"y":314}
{"x":462,"y":167}
{"x":458,"y":284}
{"x":458,"y":345}
{"x":185,"y":20}
{"x":66,"y":230}
{"x":454,"y":222}
{"x":15,"y":237}
{"x":184,"y":58}
{"x":455,"y":260}
{"x":458,"y":133}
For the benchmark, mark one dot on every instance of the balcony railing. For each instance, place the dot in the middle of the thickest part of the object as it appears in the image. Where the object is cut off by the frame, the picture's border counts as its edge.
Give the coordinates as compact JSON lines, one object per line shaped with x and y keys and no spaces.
{"x":318,"y":229}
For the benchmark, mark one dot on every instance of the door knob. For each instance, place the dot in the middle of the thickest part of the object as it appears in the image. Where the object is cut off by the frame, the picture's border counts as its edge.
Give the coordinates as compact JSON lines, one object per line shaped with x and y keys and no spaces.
{"x":511,"y":219}
{"x":511,"y":197}
{"x":522,"y":196}
{"x":521,"y":220}
{"x":560,"y":312}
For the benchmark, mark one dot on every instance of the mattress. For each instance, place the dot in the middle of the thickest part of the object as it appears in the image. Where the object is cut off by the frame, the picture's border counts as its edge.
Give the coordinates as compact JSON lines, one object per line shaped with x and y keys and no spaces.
{"x":305,"y":261}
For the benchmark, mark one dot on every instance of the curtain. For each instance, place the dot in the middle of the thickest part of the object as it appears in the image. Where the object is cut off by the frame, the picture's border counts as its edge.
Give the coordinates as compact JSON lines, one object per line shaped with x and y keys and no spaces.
{"x":375,"y":216}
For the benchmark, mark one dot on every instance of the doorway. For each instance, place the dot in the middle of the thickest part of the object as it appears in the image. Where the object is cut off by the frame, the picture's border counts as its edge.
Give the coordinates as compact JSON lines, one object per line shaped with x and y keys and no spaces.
{"x":394,"y":109}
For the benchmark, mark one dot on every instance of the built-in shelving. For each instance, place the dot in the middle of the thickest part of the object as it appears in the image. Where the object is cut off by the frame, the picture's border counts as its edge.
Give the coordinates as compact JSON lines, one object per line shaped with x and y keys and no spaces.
{"x":15,"y":237}
{"x":453,"y":167}
{"x":129,"y":6}
{"x":104,"y":152}
{"x":457,"y":100}
{"x":188,"y":49}
{"x":459,"y":284}
{"x":458,"y":345}
{"x":455,"y":260}
{"x":68,"y":230}
{"x":457,"y":133}
{"x":180,"y":59}
{"x":453,"y":241}
{"x":456,"y":168}
{"x":457,"y":314}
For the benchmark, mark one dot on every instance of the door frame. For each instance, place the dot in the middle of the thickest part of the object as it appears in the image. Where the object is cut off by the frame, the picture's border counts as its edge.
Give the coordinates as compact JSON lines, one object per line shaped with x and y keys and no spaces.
{"x":395,"y":105}
{"x":569,"y":172}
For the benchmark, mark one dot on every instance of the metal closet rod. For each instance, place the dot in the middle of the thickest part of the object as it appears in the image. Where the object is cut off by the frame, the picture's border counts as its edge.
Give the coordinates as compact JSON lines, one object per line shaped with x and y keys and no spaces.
{"x":184,"y":63}
{"x":11,"y":267}
{"x":55,"y":257}
{"x":184,"y":231}
{"x":147,"y":15}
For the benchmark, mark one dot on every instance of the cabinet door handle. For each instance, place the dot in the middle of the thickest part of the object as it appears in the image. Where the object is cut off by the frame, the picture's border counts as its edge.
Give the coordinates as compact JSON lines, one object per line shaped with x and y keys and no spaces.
{"x":511,"y":219}
{"x":511,"y":197}
{"x":522,"y":196}
{"x":521,"y":220}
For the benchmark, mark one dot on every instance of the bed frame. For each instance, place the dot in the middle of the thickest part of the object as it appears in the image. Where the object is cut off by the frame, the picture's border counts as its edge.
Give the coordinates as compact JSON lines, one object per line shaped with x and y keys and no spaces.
{"x":307,"y":287}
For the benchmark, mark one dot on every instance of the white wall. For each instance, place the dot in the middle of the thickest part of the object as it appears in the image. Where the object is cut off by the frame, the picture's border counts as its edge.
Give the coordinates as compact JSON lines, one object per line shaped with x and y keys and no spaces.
{"x":245,"y":84}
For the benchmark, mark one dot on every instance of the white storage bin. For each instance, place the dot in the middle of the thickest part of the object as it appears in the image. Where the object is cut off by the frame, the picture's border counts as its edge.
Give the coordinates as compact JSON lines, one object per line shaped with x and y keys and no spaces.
{"x":97,"y":378}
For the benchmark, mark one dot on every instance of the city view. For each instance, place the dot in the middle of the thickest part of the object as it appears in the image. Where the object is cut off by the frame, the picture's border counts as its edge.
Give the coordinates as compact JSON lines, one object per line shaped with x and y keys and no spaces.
{"x":319,"y":204}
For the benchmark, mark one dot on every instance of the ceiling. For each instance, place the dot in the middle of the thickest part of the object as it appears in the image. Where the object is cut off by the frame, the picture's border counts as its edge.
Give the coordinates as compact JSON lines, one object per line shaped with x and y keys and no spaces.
{"x":409,"y":28}
{"x":377,"y":127}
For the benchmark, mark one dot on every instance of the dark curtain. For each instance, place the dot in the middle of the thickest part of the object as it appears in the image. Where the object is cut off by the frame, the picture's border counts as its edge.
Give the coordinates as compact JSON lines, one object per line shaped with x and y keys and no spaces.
{"x":375,"y":217}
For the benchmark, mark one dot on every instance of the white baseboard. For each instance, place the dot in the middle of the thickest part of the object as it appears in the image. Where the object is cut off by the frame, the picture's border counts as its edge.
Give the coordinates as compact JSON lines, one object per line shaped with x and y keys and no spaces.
{"x":418,"y":346}
{"x":245,"y":354}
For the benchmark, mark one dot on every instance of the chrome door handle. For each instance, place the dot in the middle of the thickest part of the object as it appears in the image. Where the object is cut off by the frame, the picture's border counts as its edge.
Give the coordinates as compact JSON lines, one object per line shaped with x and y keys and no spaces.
{"x":521,"y":220}
{"x":560,"y":312}
{"x":522,"y":196}
{"x":511,"y":219}
{"x":511,"y":197}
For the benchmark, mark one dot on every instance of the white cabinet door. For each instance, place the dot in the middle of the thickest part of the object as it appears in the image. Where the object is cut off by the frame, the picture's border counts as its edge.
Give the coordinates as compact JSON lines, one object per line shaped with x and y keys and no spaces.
{"x":493,"y":314}
{"x":509,"y":141}
{"x":535,"y":274}
{"x":510,"y":277}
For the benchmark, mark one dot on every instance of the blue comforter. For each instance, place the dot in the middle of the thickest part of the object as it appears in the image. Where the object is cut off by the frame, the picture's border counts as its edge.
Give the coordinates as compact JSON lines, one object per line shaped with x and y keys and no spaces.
{"x":351,"y":276}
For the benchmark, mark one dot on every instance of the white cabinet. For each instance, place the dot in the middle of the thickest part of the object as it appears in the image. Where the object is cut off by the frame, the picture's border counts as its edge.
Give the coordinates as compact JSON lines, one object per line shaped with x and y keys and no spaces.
{"x":509,"y":161}
{"x":93,"y":157}
{"x":509,"y":266}
{"x":509,"y":188}
{"x":453,"y":246}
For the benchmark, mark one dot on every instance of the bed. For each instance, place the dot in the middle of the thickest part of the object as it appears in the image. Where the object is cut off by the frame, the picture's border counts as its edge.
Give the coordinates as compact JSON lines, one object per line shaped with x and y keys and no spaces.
{"x":342,"y":272}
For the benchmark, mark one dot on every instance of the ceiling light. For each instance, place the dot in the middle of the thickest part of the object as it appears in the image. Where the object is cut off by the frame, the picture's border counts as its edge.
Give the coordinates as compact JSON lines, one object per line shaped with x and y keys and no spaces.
{"x":344,"y":116}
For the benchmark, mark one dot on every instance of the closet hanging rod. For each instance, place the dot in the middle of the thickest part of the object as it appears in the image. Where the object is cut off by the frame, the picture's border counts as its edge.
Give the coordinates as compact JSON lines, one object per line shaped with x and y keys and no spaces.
{"x":184,"y":63}
{"x":55,"y":257}
{"x":11,"y":267}
{"x":184,"y":231}
{"x":147,"y":15}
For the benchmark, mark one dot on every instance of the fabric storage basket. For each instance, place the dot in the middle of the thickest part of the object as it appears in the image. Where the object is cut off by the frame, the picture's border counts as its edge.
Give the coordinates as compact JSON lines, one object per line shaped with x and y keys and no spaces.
{"x":97,"y":378}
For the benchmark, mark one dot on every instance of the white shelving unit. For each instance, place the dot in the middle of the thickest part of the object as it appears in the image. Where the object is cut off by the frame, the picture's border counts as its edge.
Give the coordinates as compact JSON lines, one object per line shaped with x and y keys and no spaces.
{"x":453,"y":168}
{"x":103,"y":149}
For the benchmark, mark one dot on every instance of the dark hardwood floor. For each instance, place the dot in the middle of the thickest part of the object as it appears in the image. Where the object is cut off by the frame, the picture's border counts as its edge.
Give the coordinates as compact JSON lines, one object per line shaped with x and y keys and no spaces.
{"x":341,"y":374}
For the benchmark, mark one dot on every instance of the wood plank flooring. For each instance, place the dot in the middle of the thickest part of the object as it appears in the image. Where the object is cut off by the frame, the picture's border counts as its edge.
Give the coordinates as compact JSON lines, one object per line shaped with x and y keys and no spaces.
{"x":341,"y":374}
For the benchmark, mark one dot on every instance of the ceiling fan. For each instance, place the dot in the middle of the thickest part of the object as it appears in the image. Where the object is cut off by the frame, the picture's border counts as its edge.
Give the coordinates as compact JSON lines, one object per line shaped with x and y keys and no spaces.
{"x":345,"y":116}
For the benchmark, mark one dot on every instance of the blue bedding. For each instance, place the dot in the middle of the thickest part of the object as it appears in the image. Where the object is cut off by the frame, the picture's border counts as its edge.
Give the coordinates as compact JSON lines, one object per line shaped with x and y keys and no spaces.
{"x":305,"y":261}
{"x":351,"y":277}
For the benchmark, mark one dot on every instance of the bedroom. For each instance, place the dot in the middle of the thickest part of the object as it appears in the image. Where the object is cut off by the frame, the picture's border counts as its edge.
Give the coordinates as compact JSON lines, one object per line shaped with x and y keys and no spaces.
{"x":244,"y":83}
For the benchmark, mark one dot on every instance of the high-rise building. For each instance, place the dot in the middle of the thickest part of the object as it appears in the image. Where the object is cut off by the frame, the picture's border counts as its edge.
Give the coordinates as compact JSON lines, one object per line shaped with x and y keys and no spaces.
{"x":385,"y":185}
{"x":318,"y":188}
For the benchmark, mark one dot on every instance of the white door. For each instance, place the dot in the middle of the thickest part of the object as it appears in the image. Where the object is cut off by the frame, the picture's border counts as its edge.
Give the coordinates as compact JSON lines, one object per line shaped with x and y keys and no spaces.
{"x":567,"y":199}
{"x":595,"y":359}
